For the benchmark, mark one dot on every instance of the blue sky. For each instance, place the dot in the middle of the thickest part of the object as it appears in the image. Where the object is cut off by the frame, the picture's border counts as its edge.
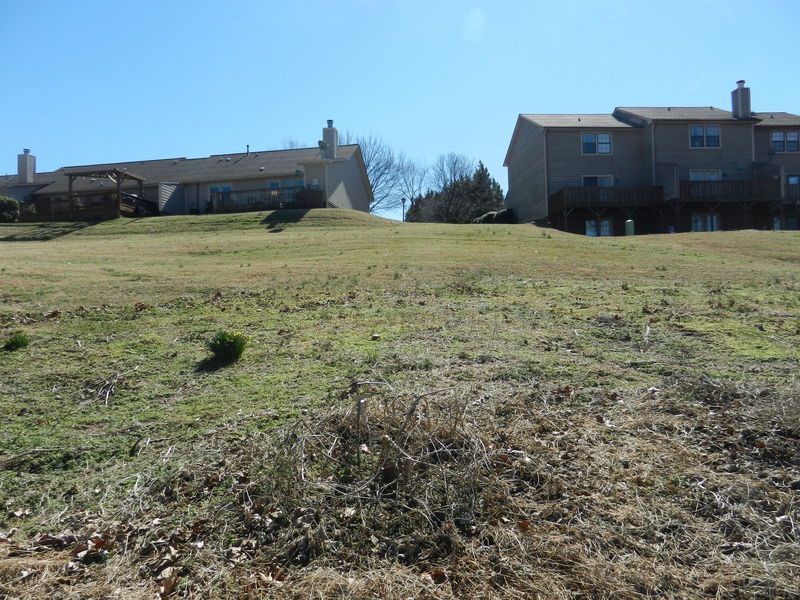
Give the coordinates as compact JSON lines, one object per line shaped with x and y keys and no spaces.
{"x":89,"y":82}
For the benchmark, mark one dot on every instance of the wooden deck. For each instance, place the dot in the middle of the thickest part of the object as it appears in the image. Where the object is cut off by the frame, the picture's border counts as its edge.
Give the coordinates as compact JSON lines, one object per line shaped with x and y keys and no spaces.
{"x":606,"y":197}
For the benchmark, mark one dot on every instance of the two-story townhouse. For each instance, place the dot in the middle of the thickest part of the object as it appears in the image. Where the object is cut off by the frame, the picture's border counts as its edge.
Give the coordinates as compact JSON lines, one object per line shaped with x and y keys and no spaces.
{"x":330,"y":175}
{"x":656,"y":169}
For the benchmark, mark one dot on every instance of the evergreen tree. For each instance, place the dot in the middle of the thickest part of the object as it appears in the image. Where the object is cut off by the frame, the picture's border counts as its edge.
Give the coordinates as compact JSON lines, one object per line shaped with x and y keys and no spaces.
{"x":460,"y":200}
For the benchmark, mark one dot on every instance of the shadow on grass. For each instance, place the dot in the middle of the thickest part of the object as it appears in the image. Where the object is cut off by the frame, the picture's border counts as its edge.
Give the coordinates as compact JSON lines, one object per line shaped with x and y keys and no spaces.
{"x":213,"y":363}
{"x":277,"y":220}
{"x":44,"y":232}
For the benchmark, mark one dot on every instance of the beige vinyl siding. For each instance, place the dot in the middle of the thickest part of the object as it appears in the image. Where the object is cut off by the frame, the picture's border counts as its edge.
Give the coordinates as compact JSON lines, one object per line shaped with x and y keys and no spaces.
{"x":170,"y":199}
{"x":790,"y":161}
{"x":527,"y":194}
{"x":312,"y":172}
{"x":627,"y":164}
{"x":667,"y":178}
{"x":345,"y":186}
{"x":732,"y":158}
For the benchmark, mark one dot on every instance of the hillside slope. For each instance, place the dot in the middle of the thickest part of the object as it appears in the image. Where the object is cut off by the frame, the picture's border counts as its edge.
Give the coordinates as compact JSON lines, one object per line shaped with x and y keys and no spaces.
{"x":424,"y":411}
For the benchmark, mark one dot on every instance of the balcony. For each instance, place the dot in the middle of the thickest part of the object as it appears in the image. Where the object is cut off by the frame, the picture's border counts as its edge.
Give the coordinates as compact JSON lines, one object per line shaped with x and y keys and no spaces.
{"x":605,"y":197}
{"x":266,"y":199}
{"x":730,"y":191}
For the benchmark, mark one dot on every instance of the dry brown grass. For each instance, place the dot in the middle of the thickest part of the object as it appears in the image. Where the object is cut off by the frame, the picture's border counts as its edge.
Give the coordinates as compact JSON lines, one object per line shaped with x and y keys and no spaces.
{"x":474,"y":492}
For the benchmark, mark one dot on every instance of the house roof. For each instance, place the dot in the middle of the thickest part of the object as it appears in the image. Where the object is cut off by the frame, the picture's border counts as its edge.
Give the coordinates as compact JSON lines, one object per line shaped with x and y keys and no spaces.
{"x":216,"y":168}
{"x":38,"y":179}
{"x":679,"y":113}
{"x":779,"y":119}
{"x":577,"y":121}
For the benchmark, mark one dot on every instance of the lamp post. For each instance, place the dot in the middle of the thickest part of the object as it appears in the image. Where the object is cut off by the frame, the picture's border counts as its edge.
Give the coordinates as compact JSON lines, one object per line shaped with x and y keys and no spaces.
{"x":403,"y":200}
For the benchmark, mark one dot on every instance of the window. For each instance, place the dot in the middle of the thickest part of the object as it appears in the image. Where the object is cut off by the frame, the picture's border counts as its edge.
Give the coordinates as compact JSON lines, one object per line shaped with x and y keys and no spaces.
{"x":597,"y":181}
{"x":596,"y":143}
{"x":220,"y":195}
{"x":786,"y":141}
{"x":601,"y":227}
{"x":704,"y":136}
{"x":704,"y":175}
{"x":777,"y":224}
{"x":793,"y":179}
{"x":221,"y":187}
{"x":705,"y":221}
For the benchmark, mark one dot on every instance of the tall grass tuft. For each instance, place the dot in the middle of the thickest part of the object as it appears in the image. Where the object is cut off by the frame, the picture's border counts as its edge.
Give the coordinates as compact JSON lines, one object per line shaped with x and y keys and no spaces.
{"x":227,"y":345}
{"x":16,"y":341}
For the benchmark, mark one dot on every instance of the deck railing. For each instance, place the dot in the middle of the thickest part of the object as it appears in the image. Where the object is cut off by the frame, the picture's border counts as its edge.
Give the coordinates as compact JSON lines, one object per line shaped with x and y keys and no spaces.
{"x":263,"y":199}
{"x":600,"y":197}
{"x":730,"y":191}
{"x":792,"y":193}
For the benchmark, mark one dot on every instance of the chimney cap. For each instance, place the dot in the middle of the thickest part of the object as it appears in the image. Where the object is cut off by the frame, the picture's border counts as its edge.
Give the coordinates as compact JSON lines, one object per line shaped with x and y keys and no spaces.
{"x":330,"y":122}
{"x":740,"y":83}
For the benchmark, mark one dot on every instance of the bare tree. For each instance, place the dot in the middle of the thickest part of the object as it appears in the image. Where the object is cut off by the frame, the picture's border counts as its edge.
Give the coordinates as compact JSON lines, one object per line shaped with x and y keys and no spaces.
{"x":292,"y":144}
{"x":449,"y":168}
{"x":414,"y":181}
{"x":384,"y":169}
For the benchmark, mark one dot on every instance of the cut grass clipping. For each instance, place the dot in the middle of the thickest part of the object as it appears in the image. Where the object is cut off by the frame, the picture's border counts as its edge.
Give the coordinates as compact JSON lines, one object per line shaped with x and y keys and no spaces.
{"x":227,"y":346}
{"x":16,"y":341}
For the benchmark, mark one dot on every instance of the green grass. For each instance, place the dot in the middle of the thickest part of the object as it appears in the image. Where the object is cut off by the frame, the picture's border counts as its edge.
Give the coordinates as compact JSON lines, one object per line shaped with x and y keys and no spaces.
{"x":556,"y":307}
{"x":118,"y":315}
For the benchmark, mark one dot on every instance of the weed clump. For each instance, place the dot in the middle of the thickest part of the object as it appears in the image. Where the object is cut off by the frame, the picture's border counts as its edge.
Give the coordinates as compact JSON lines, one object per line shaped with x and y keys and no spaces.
{"x":227,"y":346}
{"x":16,"y":341}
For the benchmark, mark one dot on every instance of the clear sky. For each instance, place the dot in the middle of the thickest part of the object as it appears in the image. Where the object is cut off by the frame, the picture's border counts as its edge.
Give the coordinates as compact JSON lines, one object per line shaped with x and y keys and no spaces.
{"x":89,"y":81}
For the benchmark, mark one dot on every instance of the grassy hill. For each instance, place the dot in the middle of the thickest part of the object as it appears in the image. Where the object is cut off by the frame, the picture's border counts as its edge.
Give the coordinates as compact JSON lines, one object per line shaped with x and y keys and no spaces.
{"x":423,"y":411}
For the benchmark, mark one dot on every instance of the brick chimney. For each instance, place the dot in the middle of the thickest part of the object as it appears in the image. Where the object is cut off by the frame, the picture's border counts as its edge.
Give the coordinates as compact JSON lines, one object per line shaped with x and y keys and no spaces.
{"x":331,"y":138}
{"x":740,"y":100}
{"x":26,"y":167}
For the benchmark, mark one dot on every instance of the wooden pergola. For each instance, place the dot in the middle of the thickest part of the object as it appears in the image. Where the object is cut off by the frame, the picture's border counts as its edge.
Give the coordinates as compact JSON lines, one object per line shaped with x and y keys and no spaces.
{"x":115,"y":175}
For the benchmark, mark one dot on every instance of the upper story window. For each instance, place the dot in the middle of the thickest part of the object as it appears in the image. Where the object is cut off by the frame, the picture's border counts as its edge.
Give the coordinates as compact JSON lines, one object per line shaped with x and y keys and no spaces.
{"x":786,"y":141}
{"x":704,"y":136}
{"x":596,"y":143}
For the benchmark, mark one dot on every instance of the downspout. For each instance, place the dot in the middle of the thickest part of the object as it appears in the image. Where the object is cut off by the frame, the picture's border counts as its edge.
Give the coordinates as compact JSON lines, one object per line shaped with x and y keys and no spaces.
{"x":653,"y":150}
{"x":546,"y":182}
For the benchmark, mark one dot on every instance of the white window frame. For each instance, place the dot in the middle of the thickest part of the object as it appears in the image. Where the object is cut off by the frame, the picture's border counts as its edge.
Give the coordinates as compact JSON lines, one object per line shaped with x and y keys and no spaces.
{"x":705,"y":145}
{"x":597,"y":143}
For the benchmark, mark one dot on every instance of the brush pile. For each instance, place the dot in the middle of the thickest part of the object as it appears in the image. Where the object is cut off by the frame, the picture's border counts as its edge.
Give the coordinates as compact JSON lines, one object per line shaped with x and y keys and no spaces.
{"x":687,"y":490}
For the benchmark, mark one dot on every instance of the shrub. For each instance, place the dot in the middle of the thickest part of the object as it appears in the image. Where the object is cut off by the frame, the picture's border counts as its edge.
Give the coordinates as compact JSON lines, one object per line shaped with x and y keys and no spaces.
{"x":16,"y":341}
{"x":226,"y":345}
{"x":27,"y":210}
{"x":9,"y":210}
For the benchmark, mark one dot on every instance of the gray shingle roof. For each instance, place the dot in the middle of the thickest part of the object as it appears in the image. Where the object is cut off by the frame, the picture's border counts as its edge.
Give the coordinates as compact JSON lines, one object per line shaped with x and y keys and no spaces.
{"x":777,"y":119}
{"x":578,"y":121}
{"x":38,"y":179}
{"x":216,"y":168}
{"x":679,"y":113}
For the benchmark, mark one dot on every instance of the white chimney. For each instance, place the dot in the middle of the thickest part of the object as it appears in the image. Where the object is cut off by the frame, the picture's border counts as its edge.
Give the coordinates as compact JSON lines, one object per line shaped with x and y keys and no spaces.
{"x":26,"y":167}
{"x":331,"y":138}
{"x":740,"y":101}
